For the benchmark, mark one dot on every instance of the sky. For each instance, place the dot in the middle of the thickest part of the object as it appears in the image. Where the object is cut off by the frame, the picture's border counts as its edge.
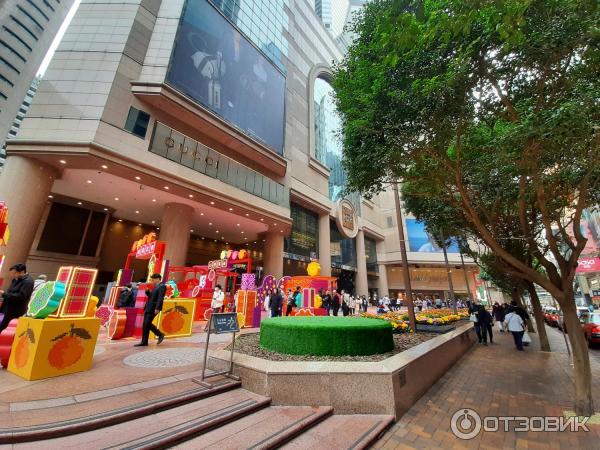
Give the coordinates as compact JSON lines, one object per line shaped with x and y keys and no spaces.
{"x":57,"y":39}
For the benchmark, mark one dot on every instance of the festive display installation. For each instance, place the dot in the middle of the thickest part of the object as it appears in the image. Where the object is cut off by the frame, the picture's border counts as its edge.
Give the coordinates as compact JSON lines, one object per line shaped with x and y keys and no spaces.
{"x":326,"y":336}
{"x":176,"y":318}
{"x":4,"y":233}
{"x":59,"y":333}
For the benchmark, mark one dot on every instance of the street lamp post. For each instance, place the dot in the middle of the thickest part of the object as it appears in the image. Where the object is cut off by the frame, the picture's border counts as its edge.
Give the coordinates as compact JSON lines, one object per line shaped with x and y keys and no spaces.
{"x":406,"y":270}
{"x":450,"y":284}
{"x":462,"y":262}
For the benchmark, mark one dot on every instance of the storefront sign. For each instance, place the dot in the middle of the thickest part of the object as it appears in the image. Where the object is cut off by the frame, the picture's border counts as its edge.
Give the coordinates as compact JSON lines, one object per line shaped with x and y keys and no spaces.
{"x":346,"y":218}
{"x":588,"y":265}
{"x":145,"y":250}
{"x":217,"y":264}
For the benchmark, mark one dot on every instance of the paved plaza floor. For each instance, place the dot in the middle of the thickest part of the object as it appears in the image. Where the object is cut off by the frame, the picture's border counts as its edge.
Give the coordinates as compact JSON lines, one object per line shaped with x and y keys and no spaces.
{"x":493,"y":381}
{"x":499,"y":381}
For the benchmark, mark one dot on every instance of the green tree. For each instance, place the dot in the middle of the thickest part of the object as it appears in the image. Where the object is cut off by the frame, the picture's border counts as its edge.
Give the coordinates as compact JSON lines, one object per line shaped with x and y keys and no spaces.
{"x":493,"y":106}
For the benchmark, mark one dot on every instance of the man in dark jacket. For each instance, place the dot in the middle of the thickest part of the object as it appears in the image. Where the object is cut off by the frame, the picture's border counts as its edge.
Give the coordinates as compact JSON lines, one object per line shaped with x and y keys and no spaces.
{"x":153,"y":306}
{"x":276,"y":303}
{"x":336,"y":302}
{"x":16,"y":298}
{"x":520,"y":312}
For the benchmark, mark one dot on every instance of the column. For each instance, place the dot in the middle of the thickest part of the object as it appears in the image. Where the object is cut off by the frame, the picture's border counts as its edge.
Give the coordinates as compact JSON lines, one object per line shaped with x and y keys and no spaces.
{"x":273,"y":255}
{"x":382,"y":282}
{"x":175,"y":231}
{"x":25,"y":184}
{"x":324,"y":245}
{"x":362,"y":284}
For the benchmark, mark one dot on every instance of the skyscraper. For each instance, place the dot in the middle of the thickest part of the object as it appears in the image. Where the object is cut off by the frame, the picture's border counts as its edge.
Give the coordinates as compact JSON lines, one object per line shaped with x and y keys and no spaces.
{"x":323,"y":10}
{"x":27,"y":29}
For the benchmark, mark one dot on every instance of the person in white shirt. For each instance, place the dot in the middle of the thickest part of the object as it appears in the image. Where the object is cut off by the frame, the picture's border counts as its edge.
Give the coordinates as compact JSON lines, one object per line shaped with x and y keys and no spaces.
{"x":516,"y":326}
{"x":267,"y":303}
{"x":218,"y":299}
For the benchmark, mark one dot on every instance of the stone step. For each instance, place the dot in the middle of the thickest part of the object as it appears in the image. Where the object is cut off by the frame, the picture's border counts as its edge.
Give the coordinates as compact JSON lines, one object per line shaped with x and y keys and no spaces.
{"x":264,"y":429}
{"x":342,"y":432}
{"x":86,"y":421}
{"x":159,"y":429}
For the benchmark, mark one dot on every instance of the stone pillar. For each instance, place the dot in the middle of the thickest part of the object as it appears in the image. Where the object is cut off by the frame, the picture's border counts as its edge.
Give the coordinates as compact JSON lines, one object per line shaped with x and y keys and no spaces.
{"x":25,"y":184}
{"x":175,"y":231}
{"x":382,"y":282}
{"x":362,"y":284}
{"x":273,"y":254}
{"x":324,"y":245}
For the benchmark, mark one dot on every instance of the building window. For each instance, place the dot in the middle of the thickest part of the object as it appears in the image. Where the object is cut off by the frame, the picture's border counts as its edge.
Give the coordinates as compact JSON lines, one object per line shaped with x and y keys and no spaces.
{"x":137,"y":122}
{"x":85,"y":230}
{"x":343,"y":250}
{"x":303,"y":241}
{"x":371,"y":255}
{"x":328,"y":145}
{"x":390,"y":221}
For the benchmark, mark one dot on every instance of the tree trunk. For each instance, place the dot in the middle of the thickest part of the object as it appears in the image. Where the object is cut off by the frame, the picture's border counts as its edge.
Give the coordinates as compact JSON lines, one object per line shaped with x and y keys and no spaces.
{"x":584,"y":403}
{"x":539,"y":317}
{"x":514,"y":294}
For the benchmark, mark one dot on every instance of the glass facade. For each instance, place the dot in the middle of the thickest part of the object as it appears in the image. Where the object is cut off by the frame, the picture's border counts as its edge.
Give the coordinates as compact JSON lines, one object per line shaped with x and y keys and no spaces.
{"x":214,"y":65}
{"x":264,"y":22}
{"x":328,"y":145}
{"x":343,"y":250}
{"x":371,"y":255}
{"x":303,"y":242}
{"x":184,"y":150}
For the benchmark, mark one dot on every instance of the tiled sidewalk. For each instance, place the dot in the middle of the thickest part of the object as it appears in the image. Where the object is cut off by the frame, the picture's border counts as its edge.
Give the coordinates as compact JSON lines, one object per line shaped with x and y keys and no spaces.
{"x":497,"y":381}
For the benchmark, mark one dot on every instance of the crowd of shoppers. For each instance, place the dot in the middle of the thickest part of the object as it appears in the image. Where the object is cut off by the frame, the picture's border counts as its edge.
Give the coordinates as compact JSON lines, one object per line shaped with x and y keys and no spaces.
{"x":510,"y":318}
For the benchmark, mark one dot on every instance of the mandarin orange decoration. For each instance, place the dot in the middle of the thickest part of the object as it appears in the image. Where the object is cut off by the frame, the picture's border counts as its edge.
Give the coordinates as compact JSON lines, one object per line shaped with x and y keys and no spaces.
{"x":173,"y":320}
{"x":68,"y":348}
{"x":22,"y":349}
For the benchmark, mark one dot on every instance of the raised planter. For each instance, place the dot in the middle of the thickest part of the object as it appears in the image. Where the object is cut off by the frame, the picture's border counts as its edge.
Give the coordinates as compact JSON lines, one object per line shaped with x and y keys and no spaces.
{"x":441,"y":329}
{"x":330,"y":336}
{"x":390,"y":386}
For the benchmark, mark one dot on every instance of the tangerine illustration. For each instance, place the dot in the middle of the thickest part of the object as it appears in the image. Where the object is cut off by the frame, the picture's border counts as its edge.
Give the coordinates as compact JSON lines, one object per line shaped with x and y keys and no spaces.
{"x":173,"y":320}
{"x":22,"y":348}
{"x":68,"y":348}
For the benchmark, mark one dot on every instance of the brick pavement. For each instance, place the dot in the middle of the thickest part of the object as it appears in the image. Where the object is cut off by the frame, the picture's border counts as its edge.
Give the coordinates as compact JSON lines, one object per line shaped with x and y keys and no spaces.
{"x":497,"y":380}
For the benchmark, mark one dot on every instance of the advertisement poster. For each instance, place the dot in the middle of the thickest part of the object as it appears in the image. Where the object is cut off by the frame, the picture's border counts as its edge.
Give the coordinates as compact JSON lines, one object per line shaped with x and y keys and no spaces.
{"x":419,"y":239}
{"x":215,"y":65}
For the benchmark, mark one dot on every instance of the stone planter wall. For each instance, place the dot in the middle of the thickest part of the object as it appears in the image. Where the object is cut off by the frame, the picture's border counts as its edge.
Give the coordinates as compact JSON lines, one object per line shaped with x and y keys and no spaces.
{"x":390,"y":386}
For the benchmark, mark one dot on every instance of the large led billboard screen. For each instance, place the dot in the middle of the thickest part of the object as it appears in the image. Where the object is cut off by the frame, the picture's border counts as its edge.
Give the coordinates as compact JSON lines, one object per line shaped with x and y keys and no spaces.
{"x":213,"y":64}
{"x":419,"y":239}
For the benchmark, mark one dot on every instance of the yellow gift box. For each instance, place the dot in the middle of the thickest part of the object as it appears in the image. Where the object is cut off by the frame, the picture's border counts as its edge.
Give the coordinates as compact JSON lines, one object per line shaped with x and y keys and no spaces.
{"x":176,"y":318}
{"x":45,"y":348}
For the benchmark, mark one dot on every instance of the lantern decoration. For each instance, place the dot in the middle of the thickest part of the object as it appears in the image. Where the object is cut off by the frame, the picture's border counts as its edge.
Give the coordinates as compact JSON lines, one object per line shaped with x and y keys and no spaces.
{"x":242,"y":254}
{"x":314,"y":269}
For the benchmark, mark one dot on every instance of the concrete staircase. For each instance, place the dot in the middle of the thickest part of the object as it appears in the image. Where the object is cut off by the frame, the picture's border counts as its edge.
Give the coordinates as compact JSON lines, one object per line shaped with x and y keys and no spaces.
{"x":225,"y":417}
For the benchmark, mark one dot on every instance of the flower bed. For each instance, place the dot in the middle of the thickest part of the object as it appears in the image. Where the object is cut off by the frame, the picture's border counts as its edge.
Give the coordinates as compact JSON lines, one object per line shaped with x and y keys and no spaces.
{"x":399,"y":320}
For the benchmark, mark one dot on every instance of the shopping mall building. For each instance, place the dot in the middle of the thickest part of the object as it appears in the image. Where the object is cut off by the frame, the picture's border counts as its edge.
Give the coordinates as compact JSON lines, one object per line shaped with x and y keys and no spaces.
{"x":211,"y":123}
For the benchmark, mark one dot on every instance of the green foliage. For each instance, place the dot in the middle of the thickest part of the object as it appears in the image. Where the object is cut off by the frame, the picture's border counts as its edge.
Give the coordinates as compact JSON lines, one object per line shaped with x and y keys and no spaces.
{"x":333,"y":336}
{"x":487,"y":111}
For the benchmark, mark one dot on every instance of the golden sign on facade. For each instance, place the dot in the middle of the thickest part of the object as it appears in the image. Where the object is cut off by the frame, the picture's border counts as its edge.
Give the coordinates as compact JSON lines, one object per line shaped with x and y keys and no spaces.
{"x":346,"y":218}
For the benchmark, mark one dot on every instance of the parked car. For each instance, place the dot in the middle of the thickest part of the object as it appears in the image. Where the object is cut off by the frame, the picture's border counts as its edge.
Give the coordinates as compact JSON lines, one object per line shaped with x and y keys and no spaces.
{"x":581,"y":310}
{"x":551,"y":317}
{"x":590,"y":323}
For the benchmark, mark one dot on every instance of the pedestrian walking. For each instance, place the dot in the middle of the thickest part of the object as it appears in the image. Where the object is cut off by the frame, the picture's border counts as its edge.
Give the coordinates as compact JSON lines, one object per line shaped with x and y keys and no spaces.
{"x":153,"y":306}
{"x":498,"y":314}
{"x":327,"y":302}
{"x":276,"y":303}
{"x":293,"y":301}
{"x":218,"y":299}
{"x":16,"y":298}
{"x":516,"y":326}
{"x":335,"y":303}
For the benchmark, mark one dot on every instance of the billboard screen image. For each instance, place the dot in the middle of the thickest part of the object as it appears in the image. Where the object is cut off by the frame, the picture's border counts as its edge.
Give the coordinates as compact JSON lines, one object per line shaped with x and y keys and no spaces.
{"x":420,"y":241}
{"x":214,"y":65}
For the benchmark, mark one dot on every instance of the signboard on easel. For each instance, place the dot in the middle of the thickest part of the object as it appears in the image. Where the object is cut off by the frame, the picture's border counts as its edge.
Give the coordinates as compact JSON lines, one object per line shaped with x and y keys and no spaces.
{"x":219,"y":323}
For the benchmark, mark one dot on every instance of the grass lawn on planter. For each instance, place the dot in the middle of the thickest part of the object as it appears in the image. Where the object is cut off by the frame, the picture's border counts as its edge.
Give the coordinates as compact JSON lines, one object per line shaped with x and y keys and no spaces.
{"x":333,"y":336}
